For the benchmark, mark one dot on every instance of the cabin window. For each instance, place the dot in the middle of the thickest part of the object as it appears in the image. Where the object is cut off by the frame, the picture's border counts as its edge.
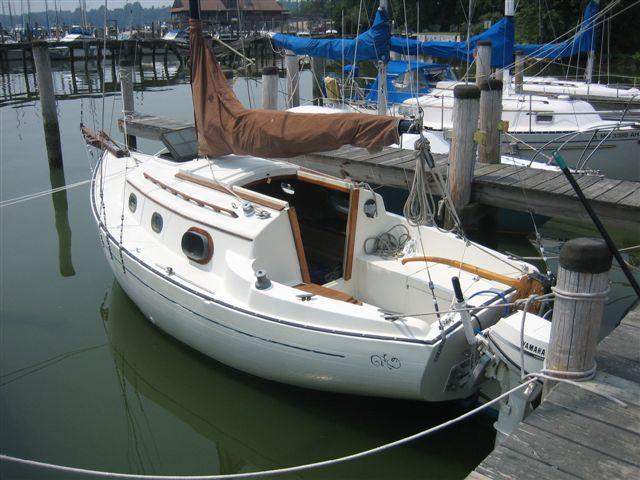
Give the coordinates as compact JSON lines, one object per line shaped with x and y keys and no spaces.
{"x":197,"y":245}
{"x":544,"y":118}
{"x":156,"y":222}
{"x":133,"y":202}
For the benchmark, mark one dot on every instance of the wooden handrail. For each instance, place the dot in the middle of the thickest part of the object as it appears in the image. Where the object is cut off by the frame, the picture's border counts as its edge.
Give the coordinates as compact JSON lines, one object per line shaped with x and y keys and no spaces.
{"x":525,"y":284}
{"x":189,"y":198}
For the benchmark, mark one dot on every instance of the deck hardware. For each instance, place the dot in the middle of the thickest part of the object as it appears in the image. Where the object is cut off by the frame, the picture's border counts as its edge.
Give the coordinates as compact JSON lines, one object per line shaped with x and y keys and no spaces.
{"x":305,"y":297}
{"x":262,"y":281}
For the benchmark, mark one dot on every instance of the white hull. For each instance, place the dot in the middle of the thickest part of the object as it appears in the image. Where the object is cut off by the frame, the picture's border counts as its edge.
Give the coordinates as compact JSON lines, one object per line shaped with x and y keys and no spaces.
{"x":290,"y":341}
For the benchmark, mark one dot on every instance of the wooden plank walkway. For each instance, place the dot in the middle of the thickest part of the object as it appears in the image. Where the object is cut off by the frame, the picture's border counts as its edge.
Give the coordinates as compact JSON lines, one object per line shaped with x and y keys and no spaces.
{"x":578,"y":434}
{"x":519,"y":188}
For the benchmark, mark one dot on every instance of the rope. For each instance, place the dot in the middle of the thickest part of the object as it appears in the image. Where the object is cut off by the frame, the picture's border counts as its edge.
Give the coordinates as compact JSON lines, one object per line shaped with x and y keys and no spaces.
{"x":387,"y":245}
{"x":265,"y":473}
{"x":576,"y":296}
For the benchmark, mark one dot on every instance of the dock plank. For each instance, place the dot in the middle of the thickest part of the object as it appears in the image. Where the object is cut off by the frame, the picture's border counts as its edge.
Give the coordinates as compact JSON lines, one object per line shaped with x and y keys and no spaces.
{"x":619,"y":192}
{"x":577,"y":430}
{"x":507,"y":464}
{"x":585,"y":461}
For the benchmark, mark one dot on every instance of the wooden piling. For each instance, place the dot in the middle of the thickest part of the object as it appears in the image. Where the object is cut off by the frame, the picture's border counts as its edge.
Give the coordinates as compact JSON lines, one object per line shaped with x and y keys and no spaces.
{"x":581,"y":291}
{"x":318,"y":66}
{"x":519,"y":76}
{"x":490,"y":115}
{"x":483,"y":61}
{"x":293,"y":79}
{"x":462,"y":153}
{"x":126,"y":85}
{"x":270,"y":88}
{"x":46,"y":92}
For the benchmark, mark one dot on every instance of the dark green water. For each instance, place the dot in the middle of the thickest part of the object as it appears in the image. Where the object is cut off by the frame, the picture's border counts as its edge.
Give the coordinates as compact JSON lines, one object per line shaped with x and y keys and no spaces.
{"x":86,"y":381}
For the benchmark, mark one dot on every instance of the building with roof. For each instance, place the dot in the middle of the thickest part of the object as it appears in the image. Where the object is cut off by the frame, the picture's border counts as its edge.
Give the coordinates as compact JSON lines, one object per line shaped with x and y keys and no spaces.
{"x":249,"y":13}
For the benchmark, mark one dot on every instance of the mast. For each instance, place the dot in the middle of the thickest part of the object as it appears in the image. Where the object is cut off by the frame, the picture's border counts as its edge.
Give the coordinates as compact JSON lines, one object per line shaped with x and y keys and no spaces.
{"x":46,"y":16}
{"x":382,"y":73}
{"x":591,"y":58}
{"x":11,"y":16}
{"x":509,"y":11}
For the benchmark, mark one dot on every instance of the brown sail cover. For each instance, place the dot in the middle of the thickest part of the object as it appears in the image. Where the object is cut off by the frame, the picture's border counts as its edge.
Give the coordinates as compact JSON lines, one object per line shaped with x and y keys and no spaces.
{"x":225,"y":126}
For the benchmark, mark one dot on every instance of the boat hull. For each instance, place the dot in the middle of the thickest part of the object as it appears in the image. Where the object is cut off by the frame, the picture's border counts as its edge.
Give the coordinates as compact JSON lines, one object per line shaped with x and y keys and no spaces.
{"x":284,"y":353}
{"x":617,"y":154}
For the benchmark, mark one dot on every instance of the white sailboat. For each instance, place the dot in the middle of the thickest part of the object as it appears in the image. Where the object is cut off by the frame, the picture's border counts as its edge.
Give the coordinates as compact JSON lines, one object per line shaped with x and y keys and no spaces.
{"x":539,"y":125}
{"x":289,"y":274}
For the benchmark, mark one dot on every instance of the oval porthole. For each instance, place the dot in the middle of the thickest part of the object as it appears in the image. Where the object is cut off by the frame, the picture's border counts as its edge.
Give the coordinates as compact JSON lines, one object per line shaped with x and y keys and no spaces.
{"x":133,"y":202}
{"x":156,"y":222}
{"x":197,"y":245}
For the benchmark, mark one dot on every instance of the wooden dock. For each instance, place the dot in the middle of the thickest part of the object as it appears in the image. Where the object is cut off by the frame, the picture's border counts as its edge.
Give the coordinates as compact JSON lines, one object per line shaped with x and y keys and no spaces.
{"x":576,"y":434}
{"x":545,"y":192}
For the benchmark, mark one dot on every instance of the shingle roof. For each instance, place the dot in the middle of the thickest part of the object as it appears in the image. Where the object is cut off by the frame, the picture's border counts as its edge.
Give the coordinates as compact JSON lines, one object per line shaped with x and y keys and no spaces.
{"x":232,"y":5}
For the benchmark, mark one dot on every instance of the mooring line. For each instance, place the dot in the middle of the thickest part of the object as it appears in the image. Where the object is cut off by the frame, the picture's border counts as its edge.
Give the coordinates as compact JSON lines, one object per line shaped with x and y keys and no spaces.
{"x":265,"y":473}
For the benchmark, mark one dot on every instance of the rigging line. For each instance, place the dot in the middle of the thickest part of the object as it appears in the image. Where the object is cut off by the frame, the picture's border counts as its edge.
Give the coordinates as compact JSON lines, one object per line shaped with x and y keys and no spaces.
{"x":298,"y":468}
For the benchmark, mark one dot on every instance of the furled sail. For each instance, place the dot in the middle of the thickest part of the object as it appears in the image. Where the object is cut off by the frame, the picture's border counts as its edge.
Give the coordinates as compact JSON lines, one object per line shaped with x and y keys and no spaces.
{"x":582,"y":42}
{"x":225,"y":126}
{"x":372,"y":44}
{"x":501,"y":36}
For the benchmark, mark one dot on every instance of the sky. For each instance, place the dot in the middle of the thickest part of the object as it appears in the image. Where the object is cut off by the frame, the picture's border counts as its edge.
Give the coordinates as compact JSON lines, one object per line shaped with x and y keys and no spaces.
{"x":39,"y":5}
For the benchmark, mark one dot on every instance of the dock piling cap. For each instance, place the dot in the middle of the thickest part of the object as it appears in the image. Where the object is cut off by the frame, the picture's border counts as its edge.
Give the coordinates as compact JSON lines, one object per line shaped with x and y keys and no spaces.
{"x":586,"y":255}
{"x":491,"y":85}
{"x":468,"y":91}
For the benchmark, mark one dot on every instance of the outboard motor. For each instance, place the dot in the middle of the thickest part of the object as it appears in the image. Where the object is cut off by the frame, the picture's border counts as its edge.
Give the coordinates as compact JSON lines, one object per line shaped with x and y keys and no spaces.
{"x":504,"y":341}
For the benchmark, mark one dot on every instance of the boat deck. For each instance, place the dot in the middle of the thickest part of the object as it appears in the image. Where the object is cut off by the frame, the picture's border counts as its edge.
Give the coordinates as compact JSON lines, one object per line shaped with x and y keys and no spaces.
{"x":545,"y":192}
{"x":578,"y":434}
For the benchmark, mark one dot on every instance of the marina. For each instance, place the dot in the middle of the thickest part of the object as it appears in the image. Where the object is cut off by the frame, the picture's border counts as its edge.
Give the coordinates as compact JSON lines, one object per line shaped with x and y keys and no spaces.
{"x":282,"y":284}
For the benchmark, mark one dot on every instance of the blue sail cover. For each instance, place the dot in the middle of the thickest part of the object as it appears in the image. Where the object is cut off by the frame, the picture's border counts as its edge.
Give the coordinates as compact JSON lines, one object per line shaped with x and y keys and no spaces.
{"x":501,"y":36}
{"x":370,"y":45}
{"x":582,"y":42}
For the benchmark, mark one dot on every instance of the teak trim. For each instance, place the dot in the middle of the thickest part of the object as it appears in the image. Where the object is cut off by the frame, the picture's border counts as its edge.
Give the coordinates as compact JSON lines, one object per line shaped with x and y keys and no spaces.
{"x":209,"y":256}
{"x":354,"y":201}
{"x":241,"y":192}
{"x":297,"y":240}
{"x":189,"y":198}
{"x":324,"y":181}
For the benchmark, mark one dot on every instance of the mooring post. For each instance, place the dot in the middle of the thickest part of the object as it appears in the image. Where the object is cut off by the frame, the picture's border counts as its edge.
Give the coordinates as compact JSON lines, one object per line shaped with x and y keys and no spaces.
{"x":483,"y":61}
{"x":126,"y":85}
{"x":318,"y":66}
{"x":270,"y":88}
{"x":293,"y":79}
{"x":519,"y":76}
{"x":490,"y":115}
{"x":463,"y":148}
{"x":580,"y":294}
{"x":40,"y":52}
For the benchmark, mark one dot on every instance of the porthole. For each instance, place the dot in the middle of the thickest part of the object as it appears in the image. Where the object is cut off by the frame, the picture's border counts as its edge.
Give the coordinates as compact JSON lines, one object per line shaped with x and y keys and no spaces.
{"x":133,"y":202}
{"x":197,"y":245}
{"x":156,"y":222}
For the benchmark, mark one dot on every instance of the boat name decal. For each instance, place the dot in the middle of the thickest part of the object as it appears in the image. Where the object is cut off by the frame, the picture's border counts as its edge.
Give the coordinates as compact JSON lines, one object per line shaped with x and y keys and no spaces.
{"x":392,"y":363}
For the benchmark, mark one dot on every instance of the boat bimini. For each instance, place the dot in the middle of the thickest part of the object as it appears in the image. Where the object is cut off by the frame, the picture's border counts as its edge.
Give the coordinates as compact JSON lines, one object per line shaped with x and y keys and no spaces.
{"x":287,"y":273}
{"x":271,"y":269}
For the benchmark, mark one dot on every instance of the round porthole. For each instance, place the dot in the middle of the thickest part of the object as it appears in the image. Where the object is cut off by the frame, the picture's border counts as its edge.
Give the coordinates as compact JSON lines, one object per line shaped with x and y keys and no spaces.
{"x":156,"y":222}
{"x":133,"y":202}
{"x":197,"y":245}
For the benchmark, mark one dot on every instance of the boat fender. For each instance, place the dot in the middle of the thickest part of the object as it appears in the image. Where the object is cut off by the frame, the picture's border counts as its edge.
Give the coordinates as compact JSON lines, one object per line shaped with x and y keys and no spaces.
{"x":262,"y":281}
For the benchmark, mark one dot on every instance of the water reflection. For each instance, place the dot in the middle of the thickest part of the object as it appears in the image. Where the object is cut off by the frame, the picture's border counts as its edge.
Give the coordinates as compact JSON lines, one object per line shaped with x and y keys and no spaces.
{"x":61,"y":212}
{"x":80,"y":78}
{"x":257,"y":425}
